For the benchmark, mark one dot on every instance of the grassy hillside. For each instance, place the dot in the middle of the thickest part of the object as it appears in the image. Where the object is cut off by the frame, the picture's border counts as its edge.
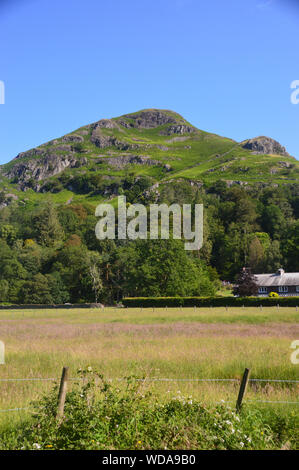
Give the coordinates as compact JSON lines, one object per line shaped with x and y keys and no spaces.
{"x":93,"y":162}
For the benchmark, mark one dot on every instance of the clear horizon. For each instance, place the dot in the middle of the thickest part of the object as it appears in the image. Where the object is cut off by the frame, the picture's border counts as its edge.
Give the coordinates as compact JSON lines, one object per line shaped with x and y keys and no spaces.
{"x":225,"y":67}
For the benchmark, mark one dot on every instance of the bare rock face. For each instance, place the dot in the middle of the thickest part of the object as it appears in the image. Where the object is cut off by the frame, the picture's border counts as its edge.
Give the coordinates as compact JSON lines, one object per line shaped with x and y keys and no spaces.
{"x":36,"y":152}
{"x":106,"y":124}
{"x":120,"y":162}
{"x":72,"y":138}
{"x":102,"y":141}
{"x":148,"y":119}
{"x":179,"y":129}
{"x":284,"y":164}
{"x":265,"y":145}
{"x":37,"y":169}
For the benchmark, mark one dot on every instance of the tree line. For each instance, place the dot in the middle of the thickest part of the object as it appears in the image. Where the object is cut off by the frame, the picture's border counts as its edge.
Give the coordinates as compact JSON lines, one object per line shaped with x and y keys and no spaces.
{"x":49,"y":253}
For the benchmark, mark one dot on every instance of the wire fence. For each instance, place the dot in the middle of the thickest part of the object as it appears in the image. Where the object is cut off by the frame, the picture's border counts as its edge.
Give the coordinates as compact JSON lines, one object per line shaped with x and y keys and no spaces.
{"x":162,"y":379}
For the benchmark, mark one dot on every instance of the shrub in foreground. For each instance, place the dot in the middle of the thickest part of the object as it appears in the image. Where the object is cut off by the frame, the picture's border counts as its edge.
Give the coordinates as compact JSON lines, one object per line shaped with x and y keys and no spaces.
{"x":99,"y":415}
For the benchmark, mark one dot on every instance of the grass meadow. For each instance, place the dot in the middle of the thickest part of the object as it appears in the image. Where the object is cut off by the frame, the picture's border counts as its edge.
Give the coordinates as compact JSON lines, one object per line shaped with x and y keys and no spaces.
{"x":180,"y":345}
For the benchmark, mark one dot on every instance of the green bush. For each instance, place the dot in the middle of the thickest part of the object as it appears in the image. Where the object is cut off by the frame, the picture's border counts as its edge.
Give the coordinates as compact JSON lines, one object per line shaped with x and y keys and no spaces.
{"x":163,"y":302}
{"x":99,"y":415}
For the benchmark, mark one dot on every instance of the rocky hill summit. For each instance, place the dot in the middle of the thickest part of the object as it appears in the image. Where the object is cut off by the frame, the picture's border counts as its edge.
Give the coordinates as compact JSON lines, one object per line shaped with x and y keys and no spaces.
{"x":156,"y":144}
{"x":266,"y":146}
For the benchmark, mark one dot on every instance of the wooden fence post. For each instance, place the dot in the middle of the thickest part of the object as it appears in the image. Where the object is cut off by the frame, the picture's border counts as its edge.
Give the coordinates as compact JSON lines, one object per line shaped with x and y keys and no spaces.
{"x":62,"y":392}
{"x":242,"y":390}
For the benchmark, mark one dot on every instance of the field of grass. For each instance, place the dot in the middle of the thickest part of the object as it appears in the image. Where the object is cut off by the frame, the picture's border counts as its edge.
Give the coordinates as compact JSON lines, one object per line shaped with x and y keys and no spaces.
{"x":157,"y":344}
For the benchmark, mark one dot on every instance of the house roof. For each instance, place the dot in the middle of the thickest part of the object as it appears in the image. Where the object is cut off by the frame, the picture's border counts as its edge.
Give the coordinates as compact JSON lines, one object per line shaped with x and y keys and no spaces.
{"x":277,"y":279}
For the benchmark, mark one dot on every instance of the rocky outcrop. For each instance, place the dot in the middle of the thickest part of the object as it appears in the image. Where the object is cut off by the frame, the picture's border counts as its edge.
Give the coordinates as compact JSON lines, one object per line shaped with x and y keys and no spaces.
{"x":265,"y":145}
{"x":178,"y":129}
{"x":152,"y":118}
{"x":73,"y":138}
{"x":39,"y":169}
{"x":63,"y":148}
{"x":136,"y":139}
{"x":284,"y":164}
{"x":36,"y":152}
{"x":149,"y":119}
{"x":230,"y":183}
{"x":120,"y":162}
{"x":103,"y":141}
{"x":105,"y":124}
{"x":6,"y":199}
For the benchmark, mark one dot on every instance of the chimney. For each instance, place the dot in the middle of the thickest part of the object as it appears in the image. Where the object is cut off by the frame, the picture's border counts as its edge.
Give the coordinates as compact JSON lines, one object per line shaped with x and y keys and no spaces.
{"x":280,"y":272}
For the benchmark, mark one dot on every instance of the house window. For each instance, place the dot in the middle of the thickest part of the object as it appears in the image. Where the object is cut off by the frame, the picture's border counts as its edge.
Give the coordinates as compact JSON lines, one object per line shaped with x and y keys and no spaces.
{"x":263,"y":290}
{"x":283,"y":289}
{"x":297,"y":288}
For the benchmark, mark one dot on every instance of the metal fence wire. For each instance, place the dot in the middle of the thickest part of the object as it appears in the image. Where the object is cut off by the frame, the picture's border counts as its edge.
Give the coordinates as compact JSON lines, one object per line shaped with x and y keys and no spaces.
{"x":161,"y":379}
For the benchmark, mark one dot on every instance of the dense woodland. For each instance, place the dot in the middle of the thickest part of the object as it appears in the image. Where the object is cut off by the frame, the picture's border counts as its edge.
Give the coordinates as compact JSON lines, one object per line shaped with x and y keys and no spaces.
{"x":49,"y":253}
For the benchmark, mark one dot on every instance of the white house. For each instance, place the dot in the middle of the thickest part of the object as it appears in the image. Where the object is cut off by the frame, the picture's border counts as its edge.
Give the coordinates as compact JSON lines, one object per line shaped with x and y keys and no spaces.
{"x":285,"y":284}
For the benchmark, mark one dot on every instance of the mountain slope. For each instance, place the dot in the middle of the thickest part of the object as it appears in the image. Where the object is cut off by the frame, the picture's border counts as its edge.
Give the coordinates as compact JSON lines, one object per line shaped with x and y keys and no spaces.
{"x":159,"y":144}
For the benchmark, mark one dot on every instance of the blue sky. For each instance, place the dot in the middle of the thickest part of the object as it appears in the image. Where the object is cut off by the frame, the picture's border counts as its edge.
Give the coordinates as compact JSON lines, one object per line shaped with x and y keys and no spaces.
{"x":226,"y":66}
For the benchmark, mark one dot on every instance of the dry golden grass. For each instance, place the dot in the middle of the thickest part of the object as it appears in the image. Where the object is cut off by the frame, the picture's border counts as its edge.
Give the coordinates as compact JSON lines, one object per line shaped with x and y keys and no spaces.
{"x":175,"y":344}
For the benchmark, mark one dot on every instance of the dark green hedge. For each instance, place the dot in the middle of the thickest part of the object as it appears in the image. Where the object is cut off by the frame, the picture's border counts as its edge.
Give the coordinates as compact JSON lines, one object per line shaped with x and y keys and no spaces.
{"x":43,"y":306}
{"x":210,"y":301}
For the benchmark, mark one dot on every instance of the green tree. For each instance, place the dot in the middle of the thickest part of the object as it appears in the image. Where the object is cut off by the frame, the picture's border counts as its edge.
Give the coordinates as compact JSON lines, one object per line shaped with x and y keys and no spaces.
{"x":8,"y":233}
{"x":256,"y":255}
{"x":48,"y":229}
{"x":94,"y":270}
{"x":36,"y":291}
{"x":162,"y":268}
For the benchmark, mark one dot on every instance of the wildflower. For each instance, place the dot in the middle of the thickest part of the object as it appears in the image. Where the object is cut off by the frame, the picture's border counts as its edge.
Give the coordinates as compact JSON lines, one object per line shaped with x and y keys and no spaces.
{"x":49,"y":445}
{"x":242,"y":444}
{"x":36,"y":445}
{"x":89,"y":369}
